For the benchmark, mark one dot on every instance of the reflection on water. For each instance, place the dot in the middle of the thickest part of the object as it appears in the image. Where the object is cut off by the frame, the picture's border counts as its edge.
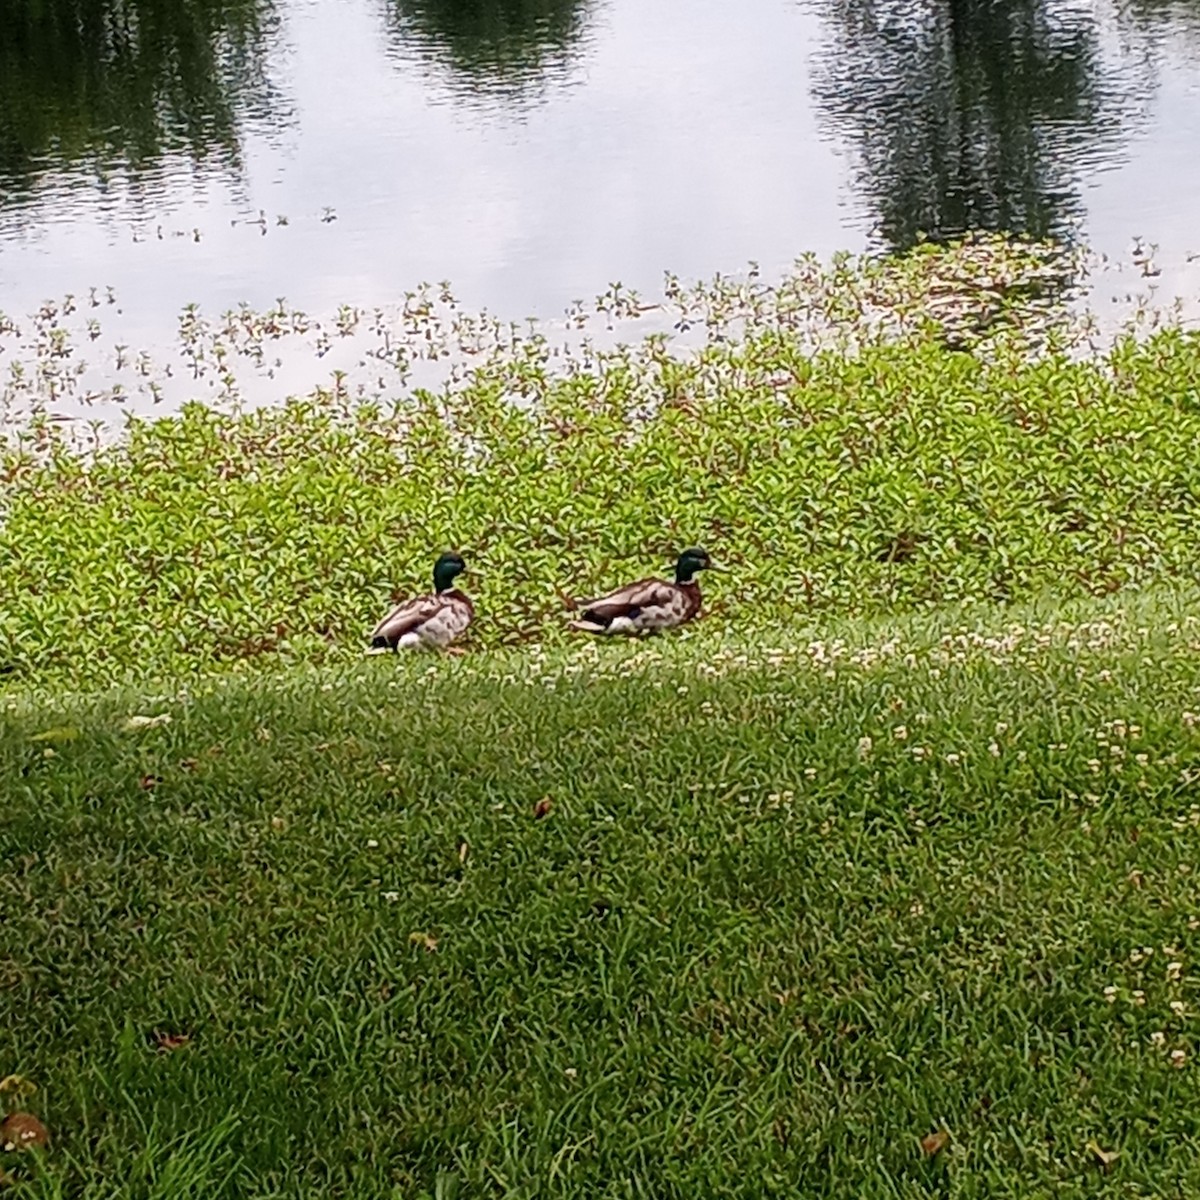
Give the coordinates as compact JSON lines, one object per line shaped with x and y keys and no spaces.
{"x":968,"y":114}
{"x":124,"y":85}
{"x":341,"y":151}
{"x":1161,"y":20}
{"x":961,"y":114}
{"x":494,"y":48}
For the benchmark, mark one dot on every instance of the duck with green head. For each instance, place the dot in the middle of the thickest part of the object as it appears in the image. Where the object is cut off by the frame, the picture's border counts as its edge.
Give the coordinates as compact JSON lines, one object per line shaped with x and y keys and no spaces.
{"x":433,"y":620}
{"x":650,"y":605}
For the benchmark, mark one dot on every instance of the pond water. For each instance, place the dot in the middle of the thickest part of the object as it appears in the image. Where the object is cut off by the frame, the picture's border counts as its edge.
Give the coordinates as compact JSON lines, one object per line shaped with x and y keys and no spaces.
{"x":532,"y":151}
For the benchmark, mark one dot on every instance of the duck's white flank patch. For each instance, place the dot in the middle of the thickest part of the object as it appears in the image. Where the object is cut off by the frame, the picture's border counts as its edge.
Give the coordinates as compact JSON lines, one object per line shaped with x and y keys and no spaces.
{"x":622,"y":625}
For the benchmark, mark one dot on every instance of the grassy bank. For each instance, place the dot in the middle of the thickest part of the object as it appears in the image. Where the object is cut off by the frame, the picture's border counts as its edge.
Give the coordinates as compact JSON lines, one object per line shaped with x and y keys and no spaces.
{"x":788,"y":908}
{"x":883,"y":474}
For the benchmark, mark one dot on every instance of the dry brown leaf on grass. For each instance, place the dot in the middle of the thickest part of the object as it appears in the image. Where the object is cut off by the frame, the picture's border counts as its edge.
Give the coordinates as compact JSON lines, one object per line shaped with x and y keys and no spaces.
{"x":934,"y":1143}
{"x":1105,"y":1158}
{"x":542,"y":808}
{"x":149,"y":782}
{"x":166,"y":1042}
{"x":21,"y":1131}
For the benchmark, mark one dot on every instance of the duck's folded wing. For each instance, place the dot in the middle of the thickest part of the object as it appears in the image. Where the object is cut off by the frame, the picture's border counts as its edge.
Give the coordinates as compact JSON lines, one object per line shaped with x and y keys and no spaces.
{"x":645,"y":594}
{"x":406,"y":616}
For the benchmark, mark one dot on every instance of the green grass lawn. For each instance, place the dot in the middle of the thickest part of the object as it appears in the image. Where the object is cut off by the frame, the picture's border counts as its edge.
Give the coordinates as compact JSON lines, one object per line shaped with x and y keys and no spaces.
{"x":790,"y":906}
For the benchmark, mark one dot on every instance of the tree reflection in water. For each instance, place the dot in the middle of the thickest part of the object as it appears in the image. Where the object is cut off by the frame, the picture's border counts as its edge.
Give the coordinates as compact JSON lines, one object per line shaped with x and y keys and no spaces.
{"x":506,"y":47}
{"x":132,"y":81}
{"x":971,"y":114}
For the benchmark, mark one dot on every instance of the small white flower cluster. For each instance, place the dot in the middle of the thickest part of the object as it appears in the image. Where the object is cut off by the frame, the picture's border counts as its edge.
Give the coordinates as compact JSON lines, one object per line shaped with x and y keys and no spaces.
{"x":1190,"y":819}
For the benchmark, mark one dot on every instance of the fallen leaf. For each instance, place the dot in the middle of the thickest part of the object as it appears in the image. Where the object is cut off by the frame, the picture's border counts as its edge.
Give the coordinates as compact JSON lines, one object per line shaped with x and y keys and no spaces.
{"x":188,"y":764}
{"x":149,"y":782}
{"x":21,"y":1130}
{"x":60,"y":733}
{"x":1105,"y":1158}
{"x":934,"y":1143}
{"x":278,"y":824}
{"x":424,"y":939}
{"x":18,"y":1084}
{"x":542,"y":808}
{"x":166,"y":1042}
{"x":1136,"y":878}
{"x":135,"y":723}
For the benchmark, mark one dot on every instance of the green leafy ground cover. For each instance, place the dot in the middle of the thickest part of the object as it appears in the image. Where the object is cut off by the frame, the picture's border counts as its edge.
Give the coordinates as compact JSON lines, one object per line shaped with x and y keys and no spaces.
{"x":790,"y":906}
{"x":880,"y":474}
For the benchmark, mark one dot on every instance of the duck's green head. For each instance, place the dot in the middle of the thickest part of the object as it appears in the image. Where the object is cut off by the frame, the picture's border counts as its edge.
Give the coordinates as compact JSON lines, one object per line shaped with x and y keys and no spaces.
{"x":690,"y":561}
{"x":446,"y":569}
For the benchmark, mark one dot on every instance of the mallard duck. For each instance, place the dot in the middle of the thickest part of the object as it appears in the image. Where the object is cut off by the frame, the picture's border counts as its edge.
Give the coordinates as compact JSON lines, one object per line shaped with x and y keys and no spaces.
{"x":434,"y":620}
{"x":650,"y":604}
